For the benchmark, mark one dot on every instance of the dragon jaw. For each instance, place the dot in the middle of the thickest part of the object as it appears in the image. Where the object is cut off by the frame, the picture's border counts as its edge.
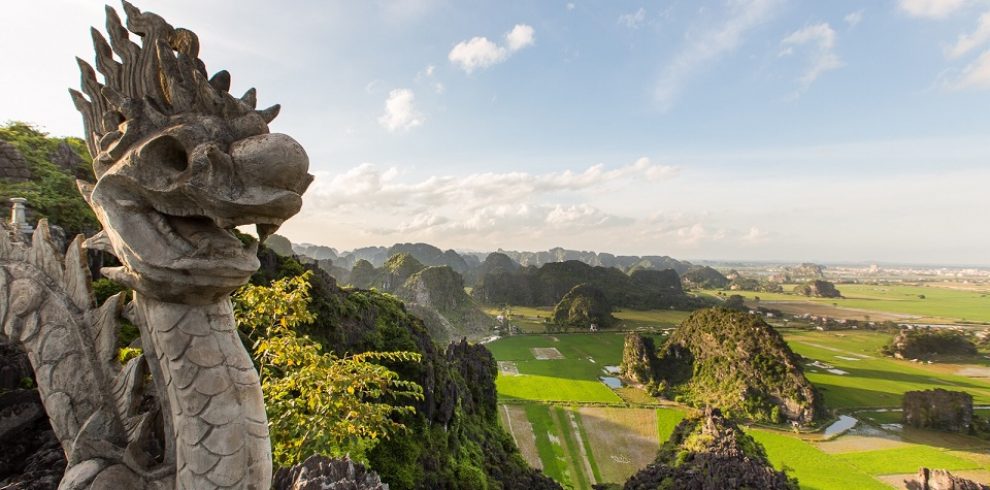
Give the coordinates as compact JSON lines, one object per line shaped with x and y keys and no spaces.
{"x":170,"y":204}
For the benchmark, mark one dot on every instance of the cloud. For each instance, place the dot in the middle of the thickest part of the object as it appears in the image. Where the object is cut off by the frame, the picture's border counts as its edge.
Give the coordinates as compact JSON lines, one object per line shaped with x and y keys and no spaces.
{"x":519,"y":37}
{"x":368,"y":185}
{"x":932,"y":9}
{"x":708,"y":46}
{"x":400,"y":115}
{"x":479,"y":52}
{"x":823,"y":58}
{"x":633,"y":20}
{"x":570,"y":6}
{"x":967,"y":42}
{"x":854,"y":18}
{"x":974,"y":75}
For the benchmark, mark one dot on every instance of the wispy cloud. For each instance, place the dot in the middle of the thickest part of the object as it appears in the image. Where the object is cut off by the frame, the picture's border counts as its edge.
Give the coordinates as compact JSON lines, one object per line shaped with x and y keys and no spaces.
{"x":968,"y":42}
{"x":400,"y":113}
{"x":709,"y":45}
{"x":932,"y":9}
{"x":369,"y":185}
{"x":822,"y":58}
{"x":479,"y":52}
{"x":975,"y":75}
{"x":853,"y":18}
{"x":633,"y":20}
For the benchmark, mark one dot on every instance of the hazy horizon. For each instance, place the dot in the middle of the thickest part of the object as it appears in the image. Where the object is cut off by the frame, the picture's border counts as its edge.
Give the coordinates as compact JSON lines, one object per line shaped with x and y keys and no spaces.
{"x":761,"y":130}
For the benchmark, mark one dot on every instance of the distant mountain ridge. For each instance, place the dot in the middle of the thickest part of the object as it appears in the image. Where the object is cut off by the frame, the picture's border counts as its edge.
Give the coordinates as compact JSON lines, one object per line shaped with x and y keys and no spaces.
{"x":464,"y":261}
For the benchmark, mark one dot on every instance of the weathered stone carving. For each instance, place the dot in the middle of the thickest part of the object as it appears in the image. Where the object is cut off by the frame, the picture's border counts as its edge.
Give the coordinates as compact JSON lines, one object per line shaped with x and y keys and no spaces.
{"x":179,"y":163}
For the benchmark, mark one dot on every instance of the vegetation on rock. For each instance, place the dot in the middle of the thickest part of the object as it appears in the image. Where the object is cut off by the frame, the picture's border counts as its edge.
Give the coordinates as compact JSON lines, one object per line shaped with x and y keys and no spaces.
{"x":739,"y":363}
{"x":453,"y":439}
{"x":709,"y":451}
{"x":544,"y":286}
{"x":818,"y":288}
{"x":55,"y":164}
{"x":704,"y":277}
{"x":926,"y":343}
{"x":584,"y":305}
{"x":348,"y":396}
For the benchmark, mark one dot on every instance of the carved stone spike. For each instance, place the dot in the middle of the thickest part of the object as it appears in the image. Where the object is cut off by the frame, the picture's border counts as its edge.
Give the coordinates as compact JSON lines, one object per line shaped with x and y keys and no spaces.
{"x":104,"y":326}
{"x":44,"y":255}
{"x":78,"y":281}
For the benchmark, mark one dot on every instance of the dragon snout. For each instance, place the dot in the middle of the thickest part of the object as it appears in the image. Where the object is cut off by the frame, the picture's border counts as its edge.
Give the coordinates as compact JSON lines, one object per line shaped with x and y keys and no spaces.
{"x":272,"y":160}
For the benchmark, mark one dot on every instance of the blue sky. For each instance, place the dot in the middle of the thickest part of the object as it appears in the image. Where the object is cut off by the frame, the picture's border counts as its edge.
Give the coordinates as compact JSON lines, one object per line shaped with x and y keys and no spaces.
{"x":732,"y":129}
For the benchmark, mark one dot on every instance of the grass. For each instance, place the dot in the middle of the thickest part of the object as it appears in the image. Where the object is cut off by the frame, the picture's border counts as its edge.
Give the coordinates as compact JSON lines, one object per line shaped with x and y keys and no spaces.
{"x":814,"y":469}
{"x":905,"y":460}
{"x":551,"y":454}
{"x":575,"y":455}
{"x":622,"y":440}
{"x":587,"y":446}
{"x":546,"y":388}
{"x":667,"y":420}
{"x":872,"y":381}
{"x":938,"y":302}
{"x":571,"y":379}
{"x":605,"y":348}
{"x":530,"y":319}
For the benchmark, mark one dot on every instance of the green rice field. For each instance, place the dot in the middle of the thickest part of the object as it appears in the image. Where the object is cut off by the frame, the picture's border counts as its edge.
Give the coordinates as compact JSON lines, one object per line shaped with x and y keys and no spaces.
{"x":596,"y":436}
{"x":926,"y":302}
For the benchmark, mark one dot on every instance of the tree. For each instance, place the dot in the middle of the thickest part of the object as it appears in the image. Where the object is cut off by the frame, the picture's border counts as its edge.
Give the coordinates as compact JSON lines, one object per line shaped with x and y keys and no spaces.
{"x":318,"y":402}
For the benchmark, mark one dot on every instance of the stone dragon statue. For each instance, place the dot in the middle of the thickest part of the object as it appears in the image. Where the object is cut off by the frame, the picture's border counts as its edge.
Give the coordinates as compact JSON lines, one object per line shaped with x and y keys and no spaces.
{"x":179,"y":163}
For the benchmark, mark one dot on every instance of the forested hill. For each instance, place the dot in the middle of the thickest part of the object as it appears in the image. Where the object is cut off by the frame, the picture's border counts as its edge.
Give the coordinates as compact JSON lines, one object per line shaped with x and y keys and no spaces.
{"x":546,"y":285}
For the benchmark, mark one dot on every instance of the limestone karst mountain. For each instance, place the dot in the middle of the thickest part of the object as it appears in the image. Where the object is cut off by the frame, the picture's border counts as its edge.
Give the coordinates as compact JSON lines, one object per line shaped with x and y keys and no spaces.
{"x":734,"y":361}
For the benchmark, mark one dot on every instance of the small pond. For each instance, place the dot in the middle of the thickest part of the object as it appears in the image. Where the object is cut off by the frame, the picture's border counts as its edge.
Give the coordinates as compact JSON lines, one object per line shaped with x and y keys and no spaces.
{"x":840,"y":426}
{"x":613,"y":369}
{"x":611,"y":381}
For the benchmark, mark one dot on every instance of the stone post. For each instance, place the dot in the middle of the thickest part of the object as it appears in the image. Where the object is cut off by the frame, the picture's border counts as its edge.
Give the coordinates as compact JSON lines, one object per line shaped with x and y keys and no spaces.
{"x":17,"y":218}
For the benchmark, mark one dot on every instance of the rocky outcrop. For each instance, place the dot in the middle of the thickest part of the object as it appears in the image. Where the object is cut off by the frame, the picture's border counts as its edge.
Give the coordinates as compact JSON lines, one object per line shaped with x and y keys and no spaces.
{"x":736,"y":361}
{"x":704,"y":277}
{"x":547,"y":285}
{"x":710,"y":452}
{"x":322,"y":473}
{"x":13,"y":166}
{"x":280,"y":245}
{"x":69,"y":161}
{"x":584,"y":306}
{"x":436,"y":294}
{"x":941,"y":480}
{"x":639,"y":358}
{"x":939,"y":409}
{"x":927,"y":343}
{"x":818,"y":289}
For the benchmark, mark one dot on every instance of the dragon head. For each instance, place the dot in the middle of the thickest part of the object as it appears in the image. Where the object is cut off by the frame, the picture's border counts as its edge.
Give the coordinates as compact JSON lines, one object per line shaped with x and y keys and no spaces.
{"x":179,"y":163}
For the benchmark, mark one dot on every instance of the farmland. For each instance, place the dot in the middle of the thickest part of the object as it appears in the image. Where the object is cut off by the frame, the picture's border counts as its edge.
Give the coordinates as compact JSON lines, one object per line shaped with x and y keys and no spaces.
{"x":924,"y":303}
{"x":533,"y":319}
{"x":582,"y":432}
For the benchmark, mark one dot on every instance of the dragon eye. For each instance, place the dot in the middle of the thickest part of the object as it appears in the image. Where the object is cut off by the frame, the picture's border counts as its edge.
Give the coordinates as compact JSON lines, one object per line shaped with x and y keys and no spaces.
{"x":167,"y":151}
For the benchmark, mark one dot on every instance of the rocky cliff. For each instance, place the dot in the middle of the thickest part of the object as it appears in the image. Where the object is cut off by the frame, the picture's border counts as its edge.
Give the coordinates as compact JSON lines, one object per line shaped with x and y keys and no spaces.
{"x":739,"y":363}
{"x":583,"y":306}
{"x":436,"y":294}
{"x":939,"y":409}
{"x":927,"y":343}
{"x":710,"y":452}
{"x":818,"y":289}
{"x":547,"y":285}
